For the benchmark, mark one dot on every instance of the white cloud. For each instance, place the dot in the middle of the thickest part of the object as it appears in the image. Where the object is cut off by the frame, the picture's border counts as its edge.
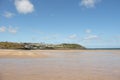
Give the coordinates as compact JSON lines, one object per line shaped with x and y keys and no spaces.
{"x":73,"y":36}
{"x":88,"y":31}
{"x":9,"y":29}
{"x":2,"y":29}
{"x":24,"y":6}
{"x":12,"y":30}
{"x":8,"y":14}
{"x":91,"y":37}
{"x":89,"y":3}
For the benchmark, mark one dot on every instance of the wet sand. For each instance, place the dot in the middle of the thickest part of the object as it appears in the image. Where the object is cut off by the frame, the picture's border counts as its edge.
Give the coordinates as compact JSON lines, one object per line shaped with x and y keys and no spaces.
{"x":59,"y":65}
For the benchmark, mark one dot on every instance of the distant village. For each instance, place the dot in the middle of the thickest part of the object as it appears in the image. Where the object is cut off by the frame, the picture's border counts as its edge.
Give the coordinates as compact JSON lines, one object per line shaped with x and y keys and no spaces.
{"x":41,"y":46}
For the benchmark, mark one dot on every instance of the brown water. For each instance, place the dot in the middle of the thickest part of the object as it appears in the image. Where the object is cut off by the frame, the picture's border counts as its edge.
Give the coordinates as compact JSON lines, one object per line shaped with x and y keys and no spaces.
{"x":63,"y":66}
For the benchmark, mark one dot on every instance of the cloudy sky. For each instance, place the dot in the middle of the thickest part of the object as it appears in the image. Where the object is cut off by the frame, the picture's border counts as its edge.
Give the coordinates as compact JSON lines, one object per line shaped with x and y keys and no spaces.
{"x":91,"y":23}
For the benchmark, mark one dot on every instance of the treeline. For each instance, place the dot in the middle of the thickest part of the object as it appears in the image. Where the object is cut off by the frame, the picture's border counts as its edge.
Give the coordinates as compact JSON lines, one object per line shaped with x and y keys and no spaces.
{"x":11,"y":45}
{"x":69,"y":46}
{"x":30,"y":46}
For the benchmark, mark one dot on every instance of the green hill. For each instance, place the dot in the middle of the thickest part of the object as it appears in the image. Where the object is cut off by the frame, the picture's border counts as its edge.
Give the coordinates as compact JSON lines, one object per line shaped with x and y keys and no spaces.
{"x":11,"y":45}
{"x":29,"y":46}
{"x":69,"y":46}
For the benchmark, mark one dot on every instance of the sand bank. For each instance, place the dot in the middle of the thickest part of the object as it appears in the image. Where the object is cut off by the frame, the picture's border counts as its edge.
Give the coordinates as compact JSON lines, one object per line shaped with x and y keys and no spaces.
{"x":46,"y":53}
{"x":59,"y":65}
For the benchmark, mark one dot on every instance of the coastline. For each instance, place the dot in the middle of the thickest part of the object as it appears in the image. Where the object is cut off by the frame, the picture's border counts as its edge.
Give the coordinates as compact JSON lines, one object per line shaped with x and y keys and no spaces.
{"x":59,"y":65}
{"x":8,"y":53}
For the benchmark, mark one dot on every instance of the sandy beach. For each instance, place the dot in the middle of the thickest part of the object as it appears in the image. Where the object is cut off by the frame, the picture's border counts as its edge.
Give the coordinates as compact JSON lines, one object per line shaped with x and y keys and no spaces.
{"x":59,"y":65}
{"x":4,"y":53}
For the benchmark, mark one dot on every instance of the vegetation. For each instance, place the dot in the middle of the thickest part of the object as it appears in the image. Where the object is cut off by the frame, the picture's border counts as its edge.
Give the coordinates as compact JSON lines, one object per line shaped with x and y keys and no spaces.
{"x":69,"y":46}
{"x":29,"y":46}
{"x":11,"y":45}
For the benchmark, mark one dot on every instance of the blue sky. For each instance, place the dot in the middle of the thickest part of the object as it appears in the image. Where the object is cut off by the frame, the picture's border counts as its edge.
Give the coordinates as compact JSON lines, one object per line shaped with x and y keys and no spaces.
{"x":91,"y":23}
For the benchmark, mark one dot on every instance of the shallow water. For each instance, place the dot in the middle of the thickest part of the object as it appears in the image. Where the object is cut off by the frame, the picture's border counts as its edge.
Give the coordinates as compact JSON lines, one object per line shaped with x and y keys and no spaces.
{"x":63,"y":66}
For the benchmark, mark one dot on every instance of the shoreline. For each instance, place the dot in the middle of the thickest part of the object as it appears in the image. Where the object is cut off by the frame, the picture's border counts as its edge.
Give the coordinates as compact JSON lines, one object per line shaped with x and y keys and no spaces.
{"x":7,"y":53}
{"x":59,"y":64}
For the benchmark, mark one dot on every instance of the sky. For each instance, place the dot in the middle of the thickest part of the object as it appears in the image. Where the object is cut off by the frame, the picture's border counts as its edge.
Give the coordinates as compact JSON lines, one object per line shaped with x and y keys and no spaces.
{"x":91,"y":23}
